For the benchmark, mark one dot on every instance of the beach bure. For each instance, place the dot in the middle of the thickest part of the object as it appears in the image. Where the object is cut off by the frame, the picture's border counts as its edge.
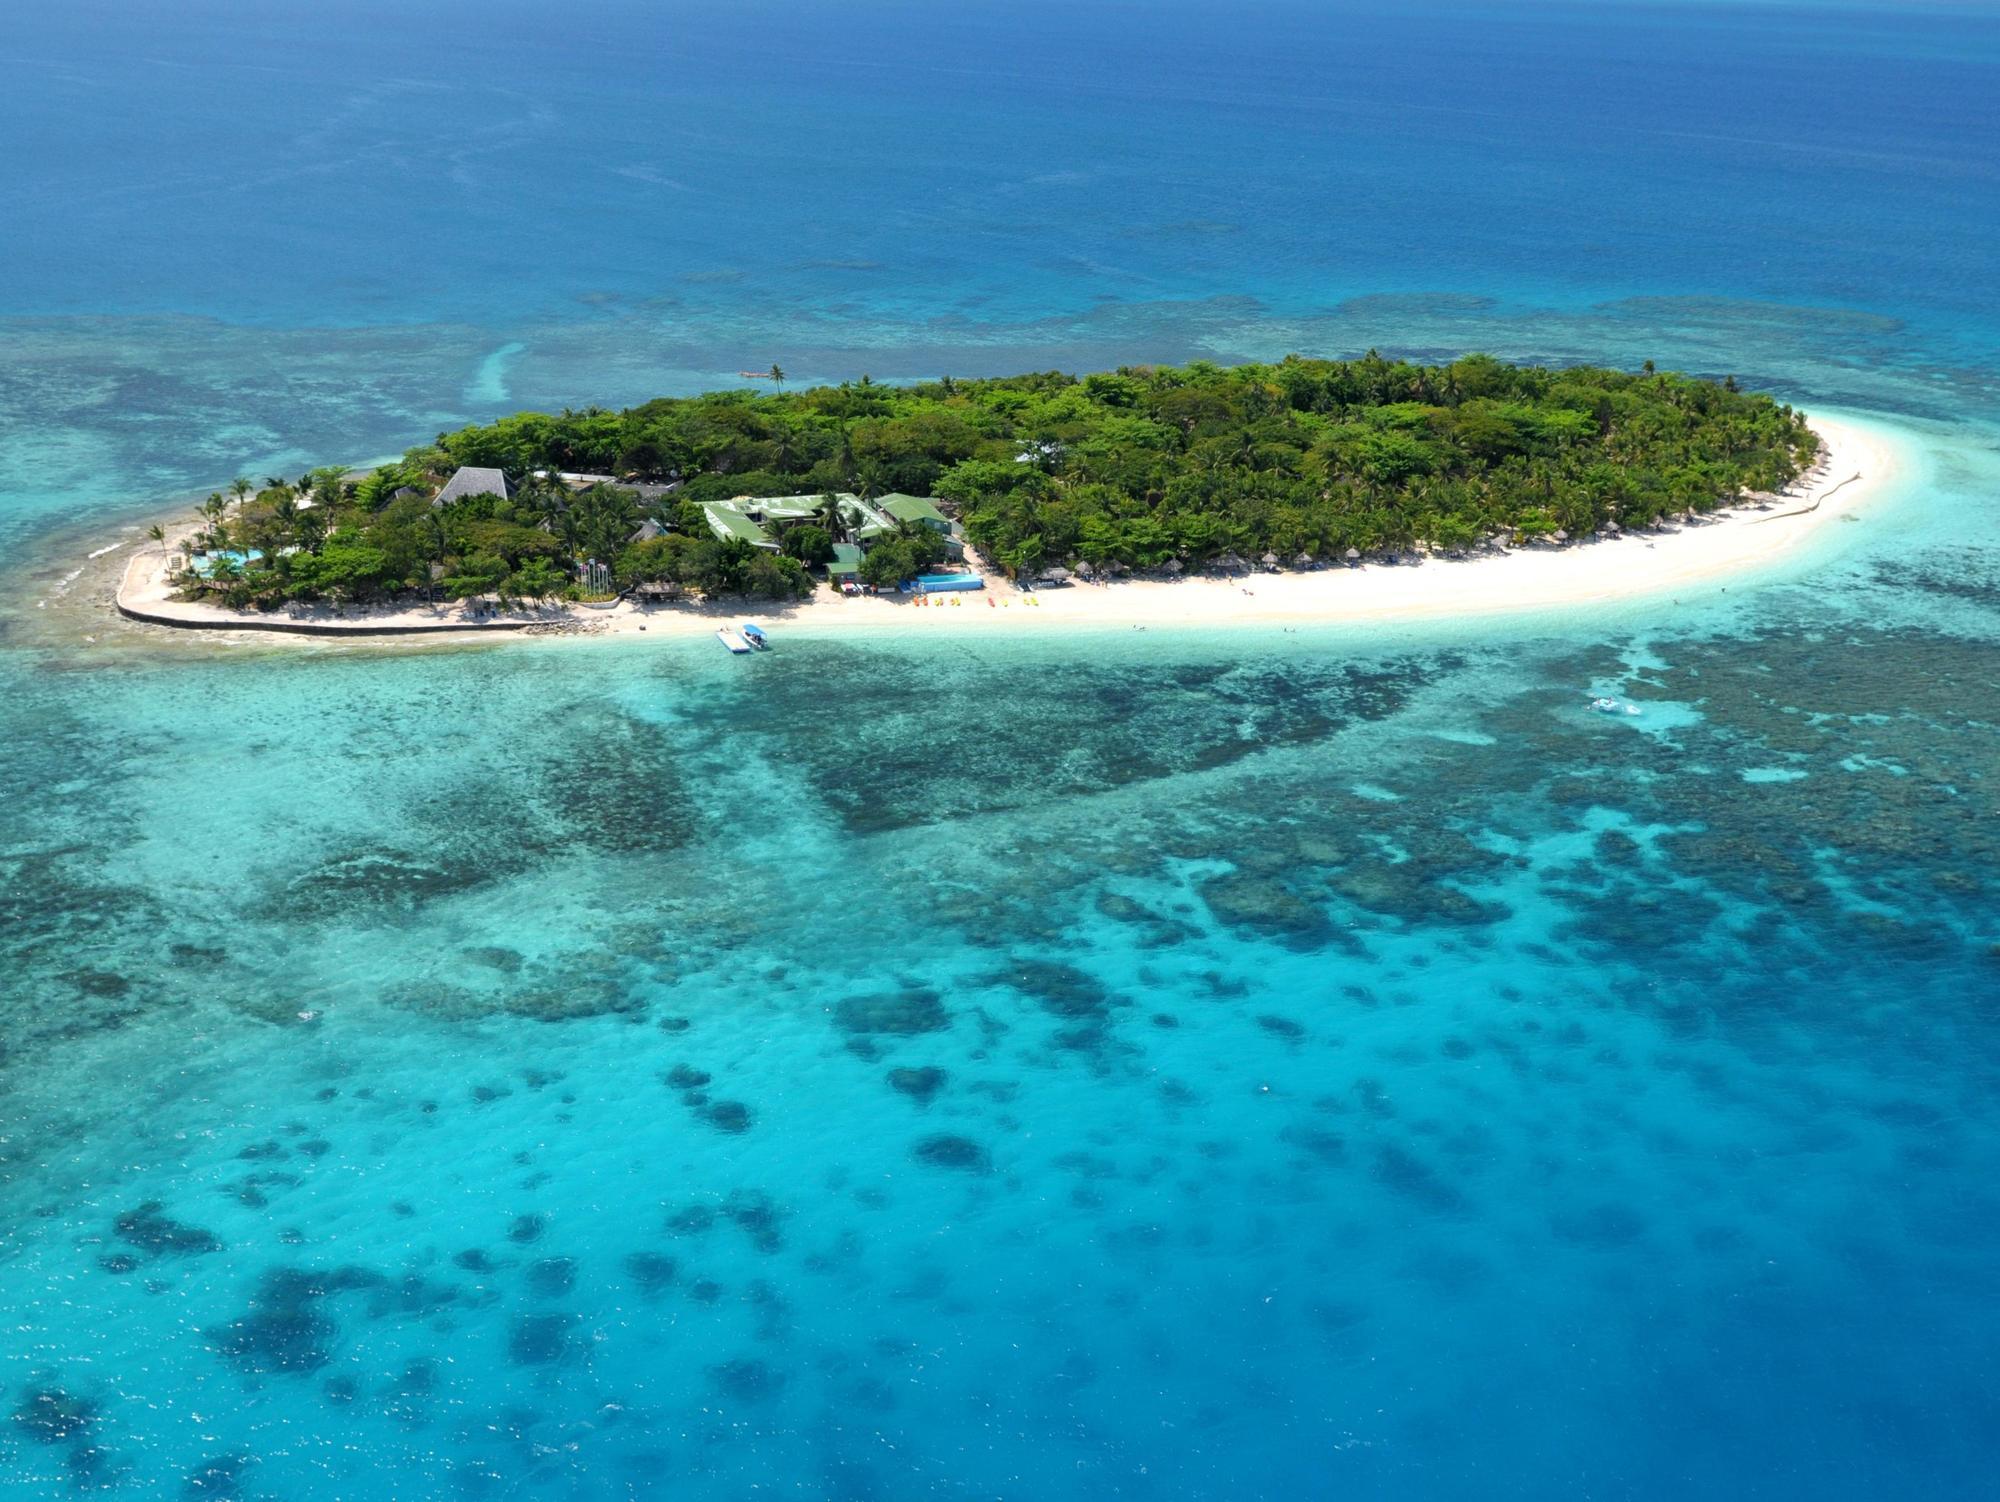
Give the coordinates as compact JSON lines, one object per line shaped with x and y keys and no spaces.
{"x":1145,"y":467}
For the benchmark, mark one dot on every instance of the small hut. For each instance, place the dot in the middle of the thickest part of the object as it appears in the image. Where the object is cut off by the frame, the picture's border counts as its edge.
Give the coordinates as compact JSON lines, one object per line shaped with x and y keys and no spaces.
{"x":1561,"y":536}
{"x":1055,"y":576}
{"x":1270,"y":561}
{"x":1174,"y":567}
{"x":1304,"y":560}
{"x":1353,"y":556}
{"x":1085,"y":571}
{"x":470,"y":480}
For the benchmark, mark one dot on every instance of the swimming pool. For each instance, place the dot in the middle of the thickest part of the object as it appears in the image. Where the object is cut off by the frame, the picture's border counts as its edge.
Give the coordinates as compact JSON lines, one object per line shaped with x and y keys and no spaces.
{"x":204,"y":563}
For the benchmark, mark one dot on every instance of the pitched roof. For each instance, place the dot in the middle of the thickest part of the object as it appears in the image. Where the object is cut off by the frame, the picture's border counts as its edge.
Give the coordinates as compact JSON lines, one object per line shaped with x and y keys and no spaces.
{"x":725,"y":521}
{"x":863,"y":518}
{"x":470,"y":481}
{"x":912,"y":508}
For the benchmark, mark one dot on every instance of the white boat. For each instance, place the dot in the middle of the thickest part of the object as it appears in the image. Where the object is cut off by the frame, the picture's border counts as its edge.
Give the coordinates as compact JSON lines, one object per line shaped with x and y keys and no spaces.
{"x":731,"y":640}
{"x":754,"y":634}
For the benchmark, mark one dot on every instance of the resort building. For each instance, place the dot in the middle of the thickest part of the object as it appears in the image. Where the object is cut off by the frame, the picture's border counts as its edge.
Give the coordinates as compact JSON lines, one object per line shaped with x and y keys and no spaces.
{"x":918,"y":510}
{"x":470,"y":481}
{"x":922,"y":511}
{"x":744,"y":520}
{"x":755,"y":519}
{"x":846,"y":562}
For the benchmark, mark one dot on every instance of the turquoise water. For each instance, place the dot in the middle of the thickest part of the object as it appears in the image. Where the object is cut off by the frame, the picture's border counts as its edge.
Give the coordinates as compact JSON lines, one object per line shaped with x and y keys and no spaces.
{"x":1328,"y":1063}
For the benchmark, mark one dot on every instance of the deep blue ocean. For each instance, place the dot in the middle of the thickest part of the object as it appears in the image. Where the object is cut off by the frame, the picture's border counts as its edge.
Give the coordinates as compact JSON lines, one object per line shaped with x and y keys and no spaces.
{"x":1249,"y":1065}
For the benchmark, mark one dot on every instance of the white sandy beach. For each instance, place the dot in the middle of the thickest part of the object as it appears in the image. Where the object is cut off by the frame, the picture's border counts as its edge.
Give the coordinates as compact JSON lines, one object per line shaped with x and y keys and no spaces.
{"x":1857,"y":465}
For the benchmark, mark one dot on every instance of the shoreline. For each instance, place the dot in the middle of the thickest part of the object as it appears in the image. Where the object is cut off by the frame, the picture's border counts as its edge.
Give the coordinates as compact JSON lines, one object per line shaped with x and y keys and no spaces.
{"x":1857,"y":463}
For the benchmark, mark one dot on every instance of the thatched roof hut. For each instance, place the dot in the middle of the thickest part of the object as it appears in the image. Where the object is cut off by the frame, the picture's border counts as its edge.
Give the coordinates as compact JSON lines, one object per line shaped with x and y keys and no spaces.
{"x":1085,"y":571}
{"x":1270,"y":560}
{"x":1174,"y":567}
{"x":1232,"y":562}
{"x":470,"y":480}
{"x":1304,"y":560}
{"x":1352,"y":555}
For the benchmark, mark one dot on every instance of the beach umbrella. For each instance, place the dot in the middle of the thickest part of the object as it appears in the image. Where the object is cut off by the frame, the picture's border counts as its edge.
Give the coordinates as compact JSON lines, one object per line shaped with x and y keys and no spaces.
{"x":1084,"y":570}
{"x":1613,"y":528}
{"x":1304,"y":560}
{"x":1353,"y":555}
{"x":1270,"y":560}
{"x":1562,"y":536}
{"x":1174,"y":566}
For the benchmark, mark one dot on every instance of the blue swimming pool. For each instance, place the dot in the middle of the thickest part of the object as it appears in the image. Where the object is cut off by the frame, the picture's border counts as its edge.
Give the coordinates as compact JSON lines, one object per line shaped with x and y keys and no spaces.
{"x":935,"y":583}
{"x":205,"y":563}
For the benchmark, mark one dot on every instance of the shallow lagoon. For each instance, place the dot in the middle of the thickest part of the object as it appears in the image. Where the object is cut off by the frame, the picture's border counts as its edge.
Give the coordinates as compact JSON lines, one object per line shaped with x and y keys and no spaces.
{"x":1040,"y":1066}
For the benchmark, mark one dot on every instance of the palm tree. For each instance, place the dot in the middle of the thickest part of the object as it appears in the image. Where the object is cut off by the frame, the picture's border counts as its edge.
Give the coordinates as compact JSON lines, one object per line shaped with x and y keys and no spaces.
{"x":869,"y":479}
{"x":828,"y":515}
{"x":777,"y":375}
{"x":212,"y":509}
{"x":159,"y":534}
{"x":550,"y":495}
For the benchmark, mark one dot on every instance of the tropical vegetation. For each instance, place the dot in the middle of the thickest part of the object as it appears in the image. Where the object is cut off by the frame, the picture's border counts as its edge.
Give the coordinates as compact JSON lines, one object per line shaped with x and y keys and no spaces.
{"x":1144,"y":467}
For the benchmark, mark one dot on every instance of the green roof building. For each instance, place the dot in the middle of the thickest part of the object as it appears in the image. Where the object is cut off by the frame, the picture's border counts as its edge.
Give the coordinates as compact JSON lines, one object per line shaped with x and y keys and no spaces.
{"x":919,"y":510}
{"x":846,"y":561}
{"x":727,"y":521}
{"x":752,"y":518}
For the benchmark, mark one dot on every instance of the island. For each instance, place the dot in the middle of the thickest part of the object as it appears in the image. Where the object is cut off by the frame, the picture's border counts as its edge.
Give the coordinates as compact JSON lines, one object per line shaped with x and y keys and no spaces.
{"x":1014,"y":485}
